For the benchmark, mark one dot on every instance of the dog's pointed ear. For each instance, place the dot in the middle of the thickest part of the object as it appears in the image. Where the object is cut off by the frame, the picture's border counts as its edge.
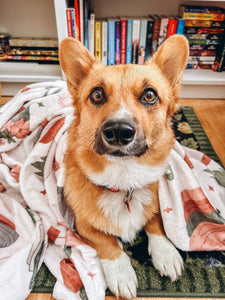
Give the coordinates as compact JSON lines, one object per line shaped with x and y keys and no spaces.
{"x":172,"y":57}
{"x":75,"y":60}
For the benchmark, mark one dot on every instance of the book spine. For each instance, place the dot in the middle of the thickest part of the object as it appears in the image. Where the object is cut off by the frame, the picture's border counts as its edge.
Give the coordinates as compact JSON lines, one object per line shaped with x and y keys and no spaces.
{"x":123,"y":41}
{"x":73,"y":22}
{"x":220,"y":53}
{"x":202,"y":9}
{"x":197,"y":52}
{"x":129,"y":41}
{"x":104,"y":42}
{"x":135,"y":40}
{"x":172,"y":27}
{"x":111,"y":42}
{"x":91,"y":34}
{"x":33,"y":42}
{"x":201,"y":58}
{"x":98,"y":40}
{"x":142,"y":42}
{"x":81,"y":13}
{"x":203,"y":36}
{"x":86,"y":23}
{"x":202,"y":30}
{"x":202,"y":23}
{"x":163,"y":30}
{"x":77,"y":16}
{"x":202,"y":47}
{"x":155,"y":36}
{"x":202,"y":16}
{"x":118,"y":42}
{"x":69,"y":22}
{"x":180,"y":26}
{"x":203,"y":42}
{"x":150,"y":27}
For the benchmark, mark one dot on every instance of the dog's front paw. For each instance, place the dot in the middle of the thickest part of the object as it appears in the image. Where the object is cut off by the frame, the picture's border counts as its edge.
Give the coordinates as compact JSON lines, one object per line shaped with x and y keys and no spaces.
{"x":120,"y":276}
{"x":165,"y":257}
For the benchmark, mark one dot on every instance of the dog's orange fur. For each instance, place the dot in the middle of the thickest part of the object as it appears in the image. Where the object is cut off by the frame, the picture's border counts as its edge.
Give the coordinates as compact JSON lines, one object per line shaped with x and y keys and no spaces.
{"x":120,"y":83}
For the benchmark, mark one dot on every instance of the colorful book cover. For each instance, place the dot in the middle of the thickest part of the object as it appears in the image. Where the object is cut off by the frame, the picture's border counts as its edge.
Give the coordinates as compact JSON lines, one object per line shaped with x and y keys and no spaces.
{"x":197,"y":52}
{"x":69,"y":22}
{"x":123,"y":40}
{"x":148,"y":49}
{"x":163,"y":29}
{"x":155,"y":36}
{"x":135,"y":40}
{"x":86,"y":5}
{"x":77,"y":16}
{"x":111,"y":42}
{"x":202,"y":30}
{"x":81,"y":13}
{"x":104,"y":42}
{"x":172,"y":27}
{"x":118,"y":42}
{"x":129,"y":41}
{"x":180,"y":26}
{"x":98,"y":40}
{"x":91,"y":34}
{"x":142,"y":42}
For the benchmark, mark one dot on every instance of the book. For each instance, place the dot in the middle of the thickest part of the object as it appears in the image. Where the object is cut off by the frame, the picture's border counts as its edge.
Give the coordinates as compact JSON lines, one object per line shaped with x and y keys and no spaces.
{"x":202,"y":30}
{"x":149,"y":35}
{"x":197,"y":52}
{"x":129,"y":41}
{"x":123,"y":40}
{"x":77,"y":17}
{"x":180,"y":26}
{"x":172,"y":27}
{"x":163,"y":29}
{"x":201,"y":23}
{"x":73,"y":22}
{"x":69,"y":22}
{"x":91,"y":34}
{"x":111,"y":41}
{"x":81,"y":15}
{"x":155,"y":36}
{"x":104,"y":42}
{"x":33,"y":42}
{"x":86,"y":7}
{"x":98,"y":40}
{"x":142,"y":41}
{"x":200,"y":9}
{"x":118,"y":42}
{"x":203,"y":42}
{"x":135,"y":40}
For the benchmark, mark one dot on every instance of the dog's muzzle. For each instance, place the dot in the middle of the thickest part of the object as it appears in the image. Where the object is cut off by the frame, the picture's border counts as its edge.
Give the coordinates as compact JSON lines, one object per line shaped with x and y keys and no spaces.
{"x":119,"y":138}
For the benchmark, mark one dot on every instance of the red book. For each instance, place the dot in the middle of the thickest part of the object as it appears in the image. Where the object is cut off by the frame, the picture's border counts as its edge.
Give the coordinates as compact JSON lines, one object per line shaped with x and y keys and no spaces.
{"x":123,"y":41}
{"x":69,"y":22}
{"x":77,"y":17}
{"x":172,"y":27}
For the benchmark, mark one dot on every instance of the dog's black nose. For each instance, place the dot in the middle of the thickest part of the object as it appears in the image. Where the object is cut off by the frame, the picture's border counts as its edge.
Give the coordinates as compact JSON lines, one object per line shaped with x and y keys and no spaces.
{"x":118,"y":133}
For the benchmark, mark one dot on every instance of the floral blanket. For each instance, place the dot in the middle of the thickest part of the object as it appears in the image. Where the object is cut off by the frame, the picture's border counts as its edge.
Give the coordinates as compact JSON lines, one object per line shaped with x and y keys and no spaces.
{"x":37,"y":226}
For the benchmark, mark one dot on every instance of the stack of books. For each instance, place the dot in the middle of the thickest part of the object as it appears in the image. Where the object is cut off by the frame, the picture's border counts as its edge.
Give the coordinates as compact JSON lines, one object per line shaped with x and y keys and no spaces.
{"x":204,"y":29}
{"x":43,"y":50}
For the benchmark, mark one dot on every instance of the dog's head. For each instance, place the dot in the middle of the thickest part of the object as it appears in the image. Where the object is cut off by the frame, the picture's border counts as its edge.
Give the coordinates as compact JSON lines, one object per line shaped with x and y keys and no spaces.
{"x":123,"y":110}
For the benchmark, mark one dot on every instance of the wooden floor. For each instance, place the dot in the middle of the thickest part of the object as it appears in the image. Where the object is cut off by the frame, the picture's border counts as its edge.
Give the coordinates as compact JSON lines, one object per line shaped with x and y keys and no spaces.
{"x":211,"y":114}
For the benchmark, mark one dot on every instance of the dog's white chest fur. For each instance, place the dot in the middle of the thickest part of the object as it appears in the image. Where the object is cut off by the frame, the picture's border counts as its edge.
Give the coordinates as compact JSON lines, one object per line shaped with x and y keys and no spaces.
{"x":114,"y":208}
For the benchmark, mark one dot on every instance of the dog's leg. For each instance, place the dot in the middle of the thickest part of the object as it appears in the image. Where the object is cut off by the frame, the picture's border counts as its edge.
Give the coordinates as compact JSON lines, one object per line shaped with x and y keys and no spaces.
{"x":165,"y":257}
{"x":119,"y":275}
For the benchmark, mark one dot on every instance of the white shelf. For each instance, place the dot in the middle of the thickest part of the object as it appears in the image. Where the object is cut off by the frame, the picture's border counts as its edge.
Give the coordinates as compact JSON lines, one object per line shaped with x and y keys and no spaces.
{"x":203,"y":77}
{"x":28,"y":72}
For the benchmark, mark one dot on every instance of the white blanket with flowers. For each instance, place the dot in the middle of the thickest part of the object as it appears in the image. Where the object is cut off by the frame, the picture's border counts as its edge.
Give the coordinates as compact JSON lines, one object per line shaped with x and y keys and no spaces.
{"x":36,"y":225}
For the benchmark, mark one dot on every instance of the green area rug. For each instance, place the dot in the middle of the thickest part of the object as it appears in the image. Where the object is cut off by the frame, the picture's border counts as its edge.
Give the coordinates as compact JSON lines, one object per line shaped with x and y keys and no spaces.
{"x":204,"y":272}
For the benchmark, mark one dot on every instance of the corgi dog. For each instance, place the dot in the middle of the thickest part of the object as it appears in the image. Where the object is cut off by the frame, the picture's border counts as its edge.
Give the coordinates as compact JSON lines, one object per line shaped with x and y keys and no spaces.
{"x":117,"y":149}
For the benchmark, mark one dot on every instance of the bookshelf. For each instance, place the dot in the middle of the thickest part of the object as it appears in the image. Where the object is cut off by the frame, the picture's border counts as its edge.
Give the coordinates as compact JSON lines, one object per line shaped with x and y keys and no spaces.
{"x":51,"y":22}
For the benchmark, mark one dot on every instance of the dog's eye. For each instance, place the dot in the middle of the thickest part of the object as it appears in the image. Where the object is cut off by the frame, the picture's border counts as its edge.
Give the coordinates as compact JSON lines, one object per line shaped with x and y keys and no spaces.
{"x":149,"y":96}
{"x":97,"y":96}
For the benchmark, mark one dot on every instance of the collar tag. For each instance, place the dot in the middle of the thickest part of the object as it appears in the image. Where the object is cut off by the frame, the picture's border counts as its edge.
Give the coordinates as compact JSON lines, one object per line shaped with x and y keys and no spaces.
{"x":127,"y":198}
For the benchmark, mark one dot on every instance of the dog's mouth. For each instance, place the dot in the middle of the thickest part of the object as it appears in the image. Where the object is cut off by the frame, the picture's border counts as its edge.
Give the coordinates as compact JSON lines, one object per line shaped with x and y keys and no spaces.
{"x":120,"y":139}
